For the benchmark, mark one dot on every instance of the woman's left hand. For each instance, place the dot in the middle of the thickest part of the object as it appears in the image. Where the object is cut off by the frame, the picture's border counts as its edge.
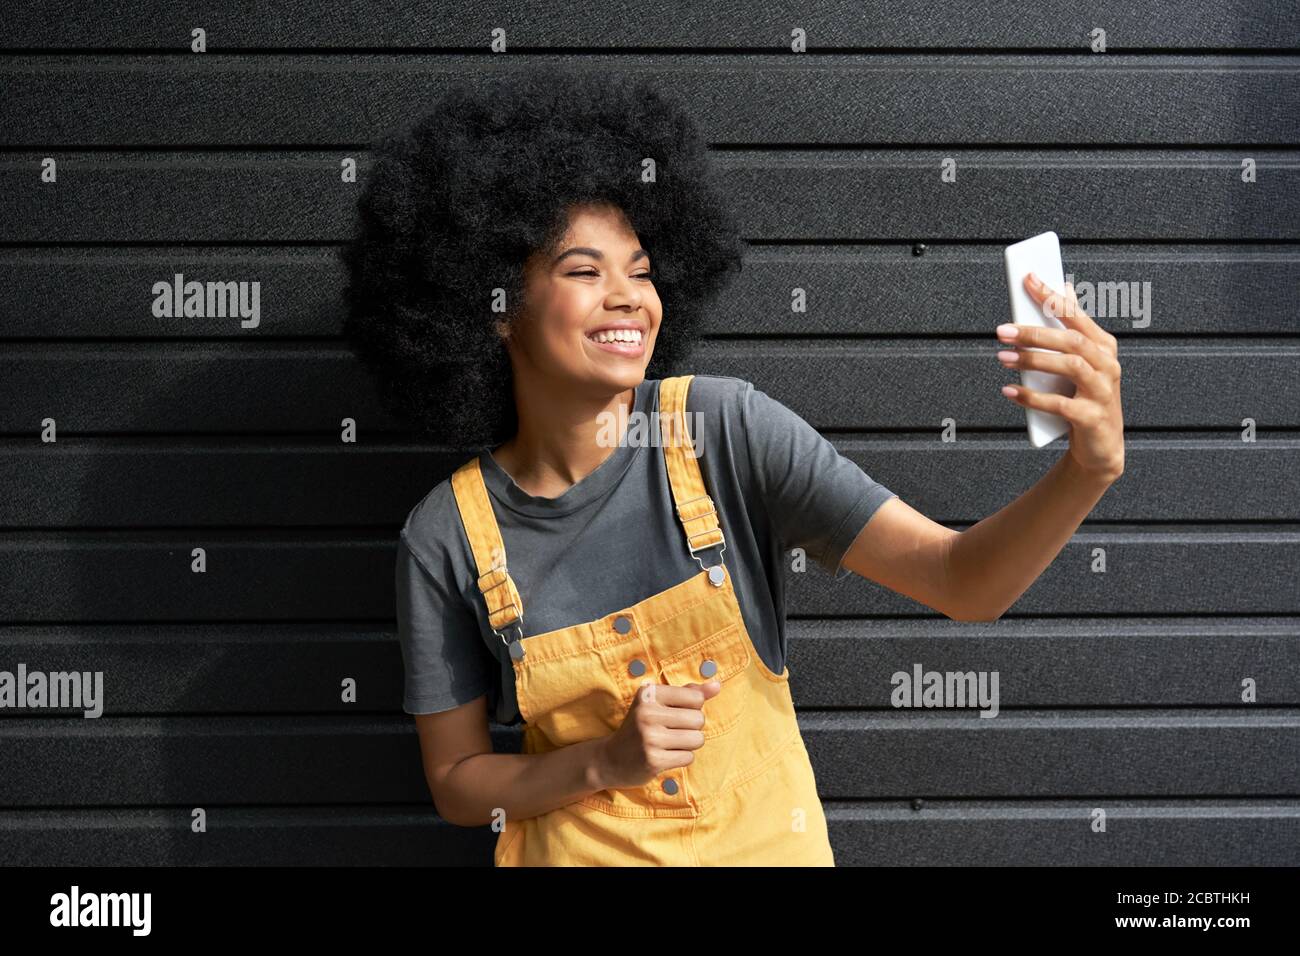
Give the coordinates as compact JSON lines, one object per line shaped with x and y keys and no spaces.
{"x":1088,"y":358}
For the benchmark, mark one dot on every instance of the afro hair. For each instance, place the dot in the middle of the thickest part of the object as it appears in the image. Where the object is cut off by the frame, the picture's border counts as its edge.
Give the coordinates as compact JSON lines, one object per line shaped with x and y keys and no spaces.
{"x":454,"y":206}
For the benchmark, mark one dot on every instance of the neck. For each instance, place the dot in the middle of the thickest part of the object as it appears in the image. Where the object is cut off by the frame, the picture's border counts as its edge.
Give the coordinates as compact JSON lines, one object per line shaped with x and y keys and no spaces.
{"x":563,"y":435}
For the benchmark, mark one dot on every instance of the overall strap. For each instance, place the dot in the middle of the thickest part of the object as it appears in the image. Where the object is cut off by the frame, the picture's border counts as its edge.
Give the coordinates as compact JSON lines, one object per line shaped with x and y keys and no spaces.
{"x":504,"y":605}
{"x":695,"y":510}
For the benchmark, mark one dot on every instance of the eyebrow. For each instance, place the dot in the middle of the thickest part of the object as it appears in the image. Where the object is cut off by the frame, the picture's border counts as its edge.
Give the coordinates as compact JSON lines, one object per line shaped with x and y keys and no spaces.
{"x":595,"y":254}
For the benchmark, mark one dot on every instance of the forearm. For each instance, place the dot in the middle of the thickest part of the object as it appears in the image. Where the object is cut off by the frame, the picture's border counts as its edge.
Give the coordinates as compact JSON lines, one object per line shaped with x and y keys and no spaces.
{"x":993,"y":562}
{"x":523,"y":785}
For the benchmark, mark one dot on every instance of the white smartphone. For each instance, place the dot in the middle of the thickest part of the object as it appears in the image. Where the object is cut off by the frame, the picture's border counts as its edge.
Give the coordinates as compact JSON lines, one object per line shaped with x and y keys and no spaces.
{"x":1040,"y":255}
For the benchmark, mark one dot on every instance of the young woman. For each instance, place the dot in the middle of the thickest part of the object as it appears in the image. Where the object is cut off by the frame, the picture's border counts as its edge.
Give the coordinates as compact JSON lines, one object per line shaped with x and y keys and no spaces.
{"x":532,"y":261}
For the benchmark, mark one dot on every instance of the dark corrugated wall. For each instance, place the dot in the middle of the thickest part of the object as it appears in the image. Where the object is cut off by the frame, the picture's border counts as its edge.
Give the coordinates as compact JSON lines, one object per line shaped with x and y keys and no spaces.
{"x":1120,"y":691}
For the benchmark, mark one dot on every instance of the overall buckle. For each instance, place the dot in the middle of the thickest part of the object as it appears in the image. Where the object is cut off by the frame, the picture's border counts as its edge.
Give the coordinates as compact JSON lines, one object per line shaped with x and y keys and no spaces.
{"x":699,"y":534}
{"x":518,"y":615}
{"x":516,"y":647}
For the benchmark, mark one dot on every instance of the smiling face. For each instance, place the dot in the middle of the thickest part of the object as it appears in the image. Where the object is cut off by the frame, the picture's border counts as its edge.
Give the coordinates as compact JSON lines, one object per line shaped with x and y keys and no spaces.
{"x":591,"y":310}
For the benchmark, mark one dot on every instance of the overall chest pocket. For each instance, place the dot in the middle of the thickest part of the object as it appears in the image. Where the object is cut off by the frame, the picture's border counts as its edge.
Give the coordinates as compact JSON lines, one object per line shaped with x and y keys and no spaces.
{"x":722,"y":656}
{"x":572,"y":698}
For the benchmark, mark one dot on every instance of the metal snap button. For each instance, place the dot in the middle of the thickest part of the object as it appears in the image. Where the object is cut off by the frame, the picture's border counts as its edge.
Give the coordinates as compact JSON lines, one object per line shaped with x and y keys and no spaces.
{"x":670,"y":786}
{"x":717,"y":575}
{"x":622,"y":624}
{"x":709,"y":668}
{"x":636,"y":668}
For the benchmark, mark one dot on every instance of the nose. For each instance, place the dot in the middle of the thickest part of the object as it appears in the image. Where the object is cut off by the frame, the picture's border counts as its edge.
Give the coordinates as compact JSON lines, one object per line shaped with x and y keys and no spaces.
{"x":629,"y":305}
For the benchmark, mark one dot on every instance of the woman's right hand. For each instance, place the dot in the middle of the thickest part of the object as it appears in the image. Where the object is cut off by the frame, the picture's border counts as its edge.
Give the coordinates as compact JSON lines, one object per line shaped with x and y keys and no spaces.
{"x":662,"y":730}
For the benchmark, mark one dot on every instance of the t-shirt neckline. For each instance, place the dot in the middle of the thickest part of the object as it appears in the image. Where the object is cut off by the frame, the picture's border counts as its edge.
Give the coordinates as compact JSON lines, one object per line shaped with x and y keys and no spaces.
{"x":591,"y":488}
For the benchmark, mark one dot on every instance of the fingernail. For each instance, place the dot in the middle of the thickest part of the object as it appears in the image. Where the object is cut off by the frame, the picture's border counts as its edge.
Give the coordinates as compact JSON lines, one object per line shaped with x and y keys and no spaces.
{"x":1008,"y":331}
{"x":1005,"y":356}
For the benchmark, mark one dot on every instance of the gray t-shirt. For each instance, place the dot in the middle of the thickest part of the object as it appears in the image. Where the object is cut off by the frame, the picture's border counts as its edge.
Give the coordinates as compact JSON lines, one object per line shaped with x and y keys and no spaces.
{"x":613,"y":539}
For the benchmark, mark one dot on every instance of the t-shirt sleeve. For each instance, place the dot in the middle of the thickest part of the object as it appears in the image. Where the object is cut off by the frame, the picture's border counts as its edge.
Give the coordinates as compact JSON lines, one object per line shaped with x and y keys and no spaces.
{"x":816,"y":498}
{"x":445,"y":662}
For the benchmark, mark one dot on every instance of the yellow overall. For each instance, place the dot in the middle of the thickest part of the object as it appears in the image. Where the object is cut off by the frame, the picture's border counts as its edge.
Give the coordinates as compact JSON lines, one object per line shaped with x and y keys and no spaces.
{"x":749,"y":798}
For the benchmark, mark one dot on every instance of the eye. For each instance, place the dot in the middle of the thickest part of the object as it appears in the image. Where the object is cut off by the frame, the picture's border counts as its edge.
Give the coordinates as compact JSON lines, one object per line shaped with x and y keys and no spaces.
{"x":640,"y":275}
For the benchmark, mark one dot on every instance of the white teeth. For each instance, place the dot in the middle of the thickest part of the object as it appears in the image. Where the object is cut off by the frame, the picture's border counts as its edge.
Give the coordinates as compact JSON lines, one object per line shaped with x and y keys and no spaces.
{"x":631,"y":336}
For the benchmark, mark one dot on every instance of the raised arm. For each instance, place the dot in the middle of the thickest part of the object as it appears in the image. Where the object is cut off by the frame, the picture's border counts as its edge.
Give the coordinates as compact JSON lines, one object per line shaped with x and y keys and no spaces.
{"x":907,"y":552}
{"x":976,"y":574}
